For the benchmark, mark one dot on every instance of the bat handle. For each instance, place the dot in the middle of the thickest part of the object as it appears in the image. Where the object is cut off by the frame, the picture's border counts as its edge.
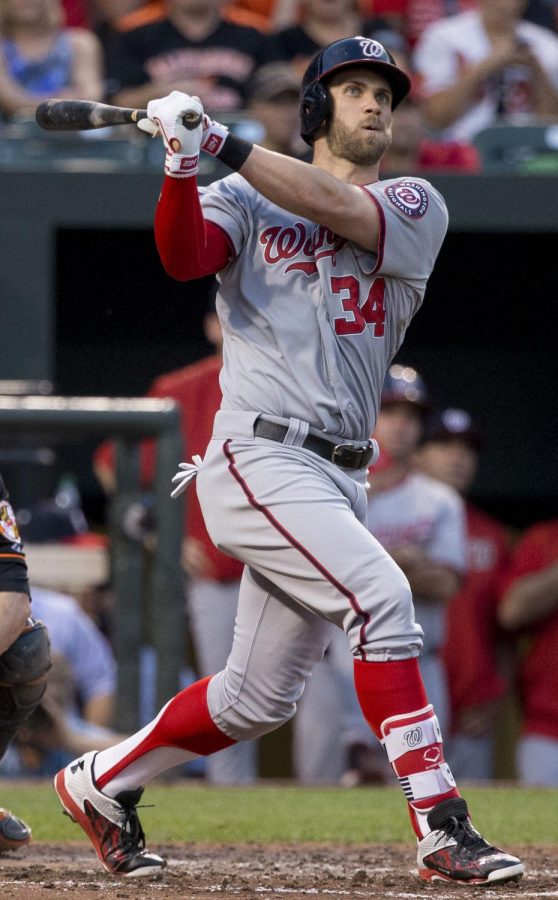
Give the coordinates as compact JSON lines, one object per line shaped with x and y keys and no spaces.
{"x":190,"y":120}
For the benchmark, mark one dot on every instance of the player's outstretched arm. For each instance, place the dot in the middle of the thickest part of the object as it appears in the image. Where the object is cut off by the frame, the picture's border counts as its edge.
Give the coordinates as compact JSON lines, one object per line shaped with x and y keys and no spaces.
{"x":308,"y":191}
{"x":187,"y":245}
{"x":302,"y":189}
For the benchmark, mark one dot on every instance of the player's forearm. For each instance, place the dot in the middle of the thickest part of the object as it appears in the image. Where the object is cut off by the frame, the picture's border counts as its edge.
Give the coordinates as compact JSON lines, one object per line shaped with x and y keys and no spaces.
{"x":434,"y":582}
{"x":187,"y":248}
{"x":545,"y":94}
{"x":137,"y":97}
{"x":529,"y":599}
{"x":99,"y":710}
{"x":444,"y":108}
{"x":15,"y":609}
{"x":307,"y":191}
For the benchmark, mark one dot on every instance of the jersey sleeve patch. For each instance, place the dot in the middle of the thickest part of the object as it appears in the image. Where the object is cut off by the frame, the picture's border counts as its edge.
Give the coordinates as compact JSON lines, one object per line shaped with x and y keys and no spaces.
{"x":409,"y":197}
{"x":8,"y":526}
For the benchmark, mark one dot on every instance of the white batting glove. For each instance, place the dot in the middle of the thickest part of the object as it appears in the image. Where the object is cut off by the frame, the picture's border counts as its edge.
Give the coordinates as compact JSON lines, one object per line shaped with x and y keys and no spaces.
{"x":182,"y":144}
{"x":214,"y":136}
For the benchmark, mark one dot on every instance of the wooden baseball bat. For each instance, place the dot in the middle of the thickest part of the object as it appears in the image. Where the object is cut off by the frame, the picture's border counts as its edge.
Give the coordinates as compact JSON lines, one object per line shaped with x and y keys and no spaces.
{"x":83,"y":115}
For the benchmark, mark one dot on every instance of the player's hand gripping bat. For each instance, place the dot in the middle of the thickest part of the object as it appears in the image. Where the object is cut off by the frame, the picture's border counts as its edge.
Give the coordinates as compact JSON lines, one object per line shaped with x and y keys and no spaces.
{"x":83,"y":115}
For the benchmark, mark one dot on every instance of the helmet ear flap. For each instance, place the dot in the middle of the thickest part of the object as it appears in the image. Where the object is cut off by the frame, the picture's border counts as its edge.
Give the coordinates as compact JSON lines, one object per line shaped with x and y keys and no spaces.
{"x":315,"y":110}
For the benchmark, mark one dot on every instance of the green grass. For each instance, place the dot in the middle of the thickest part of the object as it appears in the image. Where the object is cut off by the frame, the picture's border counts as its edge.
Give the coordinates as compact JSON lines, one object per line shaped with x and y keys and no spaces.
{"x":191,"y":812}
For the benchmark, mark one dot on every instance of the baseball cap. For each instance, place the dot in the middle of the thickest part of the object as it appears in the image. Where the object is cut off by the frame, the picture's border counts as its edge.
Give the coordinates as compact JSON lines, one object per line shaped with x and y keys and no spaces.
{"x":403,"y":384}
{"x":273,"y":80}
{"x":450,"y":425}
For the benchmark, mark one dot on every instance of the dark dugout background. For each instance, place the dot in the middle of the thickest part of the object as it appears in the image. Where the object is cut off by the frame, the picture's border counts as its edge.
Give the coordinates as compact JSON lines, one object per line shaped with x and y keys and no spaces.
{"x":485,"y":340}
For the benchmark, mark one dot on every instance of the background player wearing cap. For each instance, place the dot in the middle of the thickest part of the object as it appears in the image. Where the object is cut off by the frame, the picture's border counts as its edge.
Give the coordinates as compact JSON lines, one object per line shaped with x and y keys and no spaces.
{"x":312,"y":315}
{"x":273,"y":101}
{"x":420,"y":522}
{"x":449,"y":451}
{"x":24,"y":654}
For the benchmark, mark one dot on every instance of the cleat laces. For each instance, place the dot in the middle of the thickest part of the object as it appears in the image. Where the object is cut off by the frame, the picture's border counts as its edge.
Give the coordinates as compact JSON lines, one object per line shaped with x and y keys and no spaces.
{"x":463,"y":832}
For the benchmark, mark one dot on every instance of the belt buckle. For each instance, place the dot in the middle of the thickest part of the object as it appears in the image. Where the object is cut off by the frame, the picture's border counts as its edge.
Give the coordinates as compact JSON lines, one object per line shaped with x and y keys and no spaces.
{"x":353,"y":454}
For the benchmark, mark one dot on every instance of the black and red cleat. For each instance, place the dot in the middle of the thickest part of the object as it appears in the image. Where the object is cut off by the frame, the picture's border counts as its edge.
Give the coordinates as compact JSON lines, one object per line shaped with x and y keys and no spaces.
{"x":112,"y":825}
{"x":13,"y":832}
{"x":455,"y":851}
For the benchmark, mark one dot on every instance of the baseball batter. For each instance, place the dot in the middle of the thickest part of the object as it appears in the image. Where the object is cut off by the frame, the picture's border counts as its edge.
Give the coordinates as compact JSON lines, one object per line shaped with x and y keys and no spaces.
{"x":321,"y":269}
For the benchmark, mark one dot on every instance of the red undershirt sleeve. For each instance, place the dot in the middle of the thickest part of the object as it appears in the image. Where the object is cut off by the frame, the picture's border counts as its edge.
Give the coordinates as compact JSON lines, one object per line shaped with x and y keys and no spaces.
{"x":189,"y":247}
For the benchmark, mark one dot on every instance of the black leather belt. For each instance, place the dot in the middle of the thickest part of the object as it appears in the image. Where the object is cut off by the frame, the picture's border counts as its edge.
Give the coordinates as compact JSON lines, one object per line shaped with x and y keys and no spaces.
{"x":348,"y":455}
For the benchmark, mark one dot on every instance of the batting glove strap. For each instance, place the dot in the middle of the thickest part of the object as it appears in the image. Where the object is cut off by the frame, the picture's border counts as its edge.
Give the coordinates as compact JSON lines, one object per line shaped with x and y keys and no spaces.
{"x":177,"y":165}
{"x":218,"y":142}
{"x":214,"y":136}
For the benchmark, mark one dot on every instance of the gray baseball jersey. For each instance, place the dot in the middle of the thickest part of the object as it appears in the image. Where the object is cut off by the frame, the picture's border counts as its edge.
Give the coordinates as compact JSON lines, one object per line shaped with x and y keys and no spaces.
{"x":311,"y":321}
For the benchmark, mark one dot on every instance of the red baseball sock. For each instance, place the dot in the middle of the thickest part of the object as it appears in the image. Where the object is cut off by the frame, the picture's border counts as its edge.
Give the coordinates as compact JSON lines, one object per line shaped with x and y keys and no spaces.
{"x":395,"y":705}
{"x":184,"y":723}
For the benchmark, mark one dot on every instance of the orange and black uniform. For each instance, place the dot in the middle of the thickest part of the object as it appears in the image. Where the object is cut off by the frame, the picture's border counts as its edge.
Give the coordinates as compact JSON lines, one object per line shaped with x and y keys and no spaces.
{"x":13,"y":568}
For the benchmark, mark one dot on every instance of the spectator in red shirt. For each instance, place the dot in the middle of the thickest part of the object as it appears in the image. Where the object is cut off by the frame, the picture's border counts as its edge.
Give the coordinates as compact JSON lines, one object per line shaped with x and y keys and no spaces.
{"x":213,"y":578}
{"x":472,"y":647}
{"x":529,"y":610}
{"x":413,"y":16}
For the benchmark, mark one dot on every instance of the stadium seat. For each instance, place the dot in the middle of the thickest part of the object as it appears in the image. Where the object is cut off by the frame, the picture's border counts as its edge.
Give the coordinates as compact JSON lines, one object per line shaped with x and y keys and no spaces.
{"x":518,"y":148}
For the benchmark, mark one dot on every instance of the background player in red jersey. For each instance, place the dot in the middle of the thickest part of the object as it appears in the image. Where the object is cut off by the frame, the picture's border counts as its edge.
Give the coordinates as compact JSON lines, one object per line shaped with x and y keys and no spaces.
{"x":450,"y":453}
{"x":529,"y":610}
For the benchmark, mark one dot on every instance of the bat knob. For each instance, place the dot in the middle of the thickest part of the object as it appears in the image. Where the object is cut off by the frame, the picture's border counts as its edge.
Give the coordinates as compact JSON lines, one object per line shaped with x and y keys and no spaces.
{"x":191,"y":120}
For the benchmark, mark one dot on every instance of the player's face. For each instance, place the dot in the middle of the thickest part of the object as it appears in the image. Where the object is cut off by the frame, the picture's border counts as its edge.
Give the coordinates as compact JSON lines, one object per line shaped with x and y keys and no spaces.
{"x":360,"y":130}
{"x":398,"y":430}
{"x":454,"y":462}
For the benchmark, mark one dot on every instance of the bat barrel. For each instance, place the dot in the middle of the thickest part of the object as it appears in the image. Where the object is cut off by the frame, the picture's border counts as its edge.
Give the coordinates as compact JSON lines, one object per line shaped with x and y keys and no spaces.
{"x":80,"y":115}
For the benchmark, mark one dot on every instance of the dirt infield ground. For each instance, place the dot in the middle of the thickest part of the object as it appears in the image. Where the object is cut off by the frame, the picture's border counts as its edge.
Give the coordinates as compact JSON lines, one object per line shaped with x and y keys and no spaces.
{"x":318,"y":871}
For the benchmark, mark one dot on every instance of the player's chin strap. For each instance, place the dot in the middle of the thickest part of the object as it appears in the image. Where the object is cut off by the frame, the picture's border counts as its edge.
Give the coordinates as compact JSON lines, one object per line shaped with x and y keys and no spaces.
{"x":186,"y":475}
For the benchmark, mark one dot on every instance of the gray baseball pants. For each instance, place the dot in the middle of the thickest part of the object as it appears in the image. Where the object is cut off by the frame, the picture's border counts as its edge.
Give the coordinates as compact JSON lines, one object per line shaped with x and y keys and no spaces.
{"x":298,"y":523}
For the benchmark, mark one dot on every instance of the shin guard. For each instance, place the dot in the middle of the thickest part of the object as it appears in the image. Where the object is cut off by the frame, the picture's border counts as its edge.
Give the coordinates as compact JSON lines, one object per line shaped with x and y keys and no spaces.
{"x":413,"y":743}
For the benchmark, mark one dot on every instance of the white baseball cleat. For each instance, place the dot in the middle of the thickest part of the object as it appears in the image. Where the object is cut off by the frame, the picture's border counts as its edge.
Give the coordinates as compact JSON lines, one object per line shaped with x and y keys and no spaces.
{"x":455,"y":851}
{"x":112,"y":825}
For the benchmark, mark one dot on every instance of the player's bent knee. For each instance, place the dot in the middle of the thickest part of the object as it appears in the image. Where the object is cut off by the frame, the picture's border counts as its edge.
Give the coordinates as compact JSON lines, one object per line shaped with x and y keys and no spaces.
{"x":246,"y":714}
{"x":390,"y":616}
{"x":23,"y":670}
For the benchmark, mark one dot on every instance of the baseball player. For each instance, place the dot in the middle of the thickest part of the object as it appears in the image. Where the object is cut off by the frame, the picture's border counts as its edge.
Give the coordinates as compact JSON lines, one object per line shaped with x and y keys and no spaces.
{"x":321,"y":269}
{"x":24,"y":654}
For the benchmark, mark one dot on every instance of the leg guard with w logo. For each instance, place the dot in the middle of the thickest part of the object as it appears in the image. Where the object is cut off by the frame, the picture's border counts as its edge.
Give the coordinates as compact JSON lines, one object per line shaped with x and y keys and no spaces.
{"x":413,"y":742}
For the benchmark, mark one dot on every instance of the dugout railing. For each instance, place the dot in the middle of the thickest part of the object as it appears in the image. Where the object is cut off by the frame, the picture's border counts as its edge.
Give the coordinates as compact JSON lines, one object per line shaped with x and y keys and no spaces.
{"x":52,"y":420}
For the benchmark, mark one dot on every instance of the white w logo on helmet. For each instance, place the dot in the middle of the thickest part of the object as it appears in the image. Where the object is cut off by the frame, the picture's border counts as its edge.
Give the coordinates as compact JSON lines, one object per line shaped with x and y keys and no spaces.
{"x":371,"y":48}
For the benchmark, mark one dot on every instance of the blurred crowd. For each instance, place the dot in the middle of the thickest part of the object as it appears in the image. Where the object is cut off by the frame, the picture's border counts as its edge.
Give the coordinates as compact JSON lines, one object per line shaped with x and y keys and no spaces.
{"x":474,"y":63}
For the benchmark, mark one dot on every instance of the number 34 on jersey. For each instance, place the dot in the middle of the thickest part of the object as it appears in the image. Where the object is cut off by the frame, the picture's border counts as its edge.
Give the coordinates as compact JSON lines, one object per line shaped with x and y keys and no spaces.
{"x":357,"y":317}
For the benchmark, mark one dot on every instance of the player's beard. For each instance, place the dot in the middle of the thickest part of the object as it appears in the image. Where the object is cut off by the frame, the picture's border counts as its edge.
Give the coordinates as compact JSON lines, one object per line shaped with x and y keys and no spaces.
{"x":362,"y":149}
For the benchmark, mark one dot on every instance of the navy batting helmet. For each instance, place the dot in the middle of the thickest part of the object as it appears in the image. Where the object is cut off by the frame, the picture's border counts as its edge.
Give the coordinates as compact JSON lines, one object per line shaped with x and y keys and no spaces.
{"x":315,"y":100}
{"x":403,"y":384}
